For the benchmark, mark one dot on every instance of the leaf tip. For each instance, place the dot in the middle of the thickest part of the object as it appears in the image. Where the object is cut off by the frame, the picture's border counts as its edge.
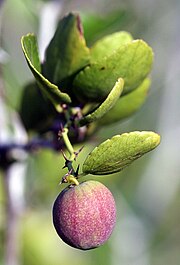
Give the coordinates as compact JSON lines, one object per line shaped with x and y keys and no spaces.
{"x":79,"y":25}
{"x":157,"y":139}
{"x":153,"y":138}
{"x":120,"y":81}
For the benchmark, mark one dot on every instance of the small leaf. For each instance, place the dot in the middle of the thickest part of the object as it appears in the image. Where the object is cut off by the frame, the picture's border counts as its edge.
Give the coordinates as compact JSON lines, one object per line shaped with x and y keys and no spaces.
{"x":106,"y":105}
{"x":67,"y":52}
{"x":120,"y":151}
{"x":127,"y":104}
{"x":29,"y":46}
{"x":132,"y":62}
{"x":109,"y":44}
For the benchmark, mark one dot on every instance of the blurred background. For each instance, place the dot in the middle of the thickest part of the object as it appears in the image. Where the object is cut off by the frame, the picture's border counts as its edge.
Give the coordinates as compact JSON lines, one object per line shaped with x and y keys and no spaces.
{"x":147,"y":193}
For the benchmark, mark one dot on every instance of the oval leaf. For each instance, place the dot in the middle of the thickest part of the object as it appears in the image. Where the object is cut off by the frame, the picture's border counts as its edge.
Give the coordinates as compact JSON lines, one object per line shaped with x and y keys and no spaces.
{"x":29,"y":46}
{"x":127,"y":104}
{"x":132,"y":62}
{"x":120,"y":151}
{"x":109,"y":44}
{"x":67,"y":52}
{"x":106,"y":105}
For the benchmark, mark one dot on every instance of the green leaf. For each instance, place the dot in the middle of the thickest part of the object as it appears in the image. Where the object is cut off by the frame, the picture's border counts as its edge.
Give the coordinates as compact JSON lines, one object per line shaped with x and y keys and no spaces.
{"x":67,"y":52}
{"x":109,"y":102}
{"x":30,"y":49}
{"x":120,"y":151}
{"x":132,"y":62}
{"x":97,"y":25}
{"x":29,"y":46}
{"x":109,"y":44}
{"x":127,"y":104}
{"x":36,"y":111}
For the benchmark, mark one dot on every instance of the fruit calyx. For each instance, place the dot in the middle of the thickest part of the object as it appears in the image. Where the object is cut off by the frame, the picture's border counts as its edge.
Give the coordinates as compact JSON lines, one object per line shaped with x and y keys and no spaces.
{"x":68,"y":178}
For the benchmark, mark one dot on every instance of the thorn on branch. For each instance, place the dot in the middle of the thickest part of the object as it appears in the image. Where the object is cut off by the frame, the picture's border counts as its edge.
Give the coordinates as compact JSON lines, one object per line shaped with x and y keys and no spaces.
{"x":77,"y":172}
{"x":77,"y":153}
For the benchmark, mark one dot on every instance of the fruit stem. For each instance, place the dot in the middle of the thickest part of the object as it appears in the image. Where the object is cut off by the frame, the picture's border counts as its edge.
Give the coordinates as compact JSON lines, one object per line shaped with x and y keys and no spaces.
{"x":68,"y":144}
{"x":72,"y":179}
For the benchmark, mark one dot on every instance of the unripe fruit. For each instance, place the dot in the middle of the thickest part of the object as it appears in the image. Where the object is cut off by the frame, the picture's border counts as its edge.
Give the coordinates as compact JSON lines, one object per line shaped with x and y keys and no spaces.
{"x":84,"y":215}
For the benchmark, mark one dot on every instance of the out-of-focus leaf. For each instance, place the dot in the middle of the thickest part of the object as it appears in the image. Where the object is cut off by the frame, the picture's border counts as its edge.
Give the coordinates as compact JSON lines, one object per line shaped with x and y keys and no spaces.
{"x":109,"y":44}
{"x":36,"y":111}
{"x":29,"y":46}
{"x":106,"y":105}
{"x":98,"y":25}
{"x":37,"y":251}
{"x":67,"y":52}
{"x":120,"y":151}
{"x":132,"y":62}
{"x":127,"y":104}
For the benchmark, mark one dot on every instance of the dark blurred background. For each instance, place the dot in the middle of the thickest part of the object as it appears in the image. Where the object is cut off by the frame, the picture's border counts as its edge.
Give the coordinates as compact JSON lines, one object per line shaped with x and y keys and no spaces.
{"x":148,"y":192}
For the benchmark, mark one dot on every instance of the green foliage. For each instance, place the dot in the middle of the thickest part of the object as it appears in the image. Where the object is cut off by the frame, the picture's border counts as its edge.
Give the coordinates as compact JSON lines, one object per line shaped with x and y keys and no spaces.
{"x":36,"y":111}
{"x":109,"y":102}
{"x":131,"y":61}
{"x":127,"y":104}
{"x":29,"y":45}
{"x":116,"y":153}
{"x":67,"y":52}
{"x":96,"y":26}
{"x":109,"y":44}
{"x":89,"y":77}
{"x":30,"y":49}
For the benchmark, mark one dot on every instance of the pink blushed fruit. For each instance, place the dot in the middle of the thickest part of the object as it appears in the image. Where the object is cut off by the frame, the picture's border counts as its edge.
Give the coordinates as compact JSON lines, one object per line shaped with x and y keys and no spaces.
{"x":84,"y":215}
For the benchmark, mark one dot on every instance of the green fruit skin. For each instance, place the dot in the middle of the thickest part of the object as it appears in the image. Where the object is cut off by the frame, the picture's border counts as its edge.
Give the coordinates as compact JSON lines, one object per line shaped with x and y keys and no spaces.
{"x":84,"y":215}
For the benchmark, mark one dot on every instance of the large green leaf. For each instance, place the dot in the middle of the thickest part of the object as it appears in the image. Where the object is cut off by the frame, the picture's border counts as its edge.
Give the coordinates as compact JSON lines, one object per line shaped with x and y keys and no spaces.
{"x":127,"y":104}
{"x":109,"y":102}
{"x":67,"y":52}
{"x":132,"y":62}
{"x":109,"y":44}
{"x":29,"y":46}
{"x":116,"y":153}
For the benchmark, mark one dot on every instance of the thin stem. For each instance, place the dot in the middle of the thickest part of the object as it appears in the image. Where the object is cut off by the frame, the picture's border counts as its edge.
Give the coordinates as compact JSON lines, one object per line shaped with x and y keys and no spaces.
{"x":68,"y":144}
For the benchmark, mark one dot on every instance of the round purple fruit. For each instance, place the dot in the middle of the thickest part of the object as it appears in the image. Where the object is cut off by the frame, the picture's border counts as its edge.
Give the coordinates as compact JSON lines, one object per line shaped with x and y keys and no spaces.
{"x":84,"y":215}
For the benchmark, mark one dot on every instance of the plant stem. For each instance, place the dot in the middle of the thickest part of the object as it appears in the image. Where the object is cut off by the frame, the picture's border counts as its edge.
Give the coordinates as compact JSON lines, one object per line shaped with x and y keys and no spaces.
{"x":72,"y":179}
{"x":68,"y":144}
